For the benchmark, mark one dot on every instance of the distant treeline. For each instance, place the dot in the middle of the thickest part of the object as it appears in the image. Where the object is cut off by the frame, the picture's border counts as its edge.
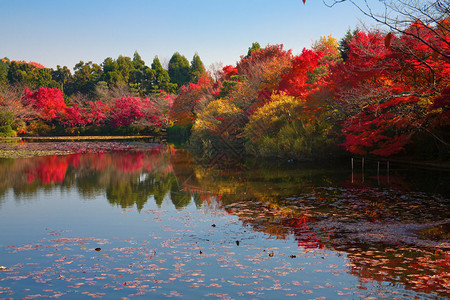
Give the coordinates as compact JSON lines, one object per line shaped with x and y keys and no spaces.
{"x":132,"y":72}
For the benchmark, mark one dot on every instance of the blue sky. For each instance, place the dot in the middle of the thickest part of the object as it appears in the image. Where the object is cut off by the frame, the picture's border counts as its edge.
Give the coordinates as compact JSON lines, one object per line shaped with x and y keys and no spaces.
{"x":63,"y":32}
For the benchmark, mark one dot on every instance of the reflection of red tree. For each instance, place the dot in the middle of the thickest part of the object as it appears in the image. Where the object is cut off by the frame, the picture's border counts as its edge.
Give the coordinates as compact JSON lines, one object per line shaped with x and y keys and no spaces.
{"x":205,"y":196}
{"x":97,"y":161}
{"x":129,"y":162}
{"x":31,"y":176}
{"x":51,"y":169}
{"x":150,"y":164}
{"x":302,"y":233}
{"x":74,"y":160}
{"x":277,"y":221}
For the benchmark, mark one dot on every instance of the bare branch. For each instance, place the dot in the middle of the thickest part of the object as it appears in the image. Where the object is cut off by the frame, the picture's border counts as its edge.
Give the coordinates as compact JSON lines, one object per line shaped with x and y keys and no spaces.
{"x":398,"y":15}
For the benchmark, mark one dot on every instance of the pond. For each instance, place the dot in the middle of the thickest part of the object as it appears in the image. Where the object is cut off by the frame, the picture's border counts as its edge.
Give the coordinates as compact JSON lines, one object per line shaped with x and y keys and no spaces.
{"x":150,"y":221}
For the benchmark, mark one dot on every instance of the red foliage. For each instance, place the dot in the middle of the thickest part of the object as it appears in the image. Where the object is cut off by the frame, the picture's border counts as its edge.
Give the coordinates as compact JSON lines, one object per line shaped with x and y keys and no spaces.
{"x":296,"y":83}
{"x":366,"y":62}
{"x":125,"y":111}
{"x":441,"y":105}
{"x":93,"y":113}
{"x":227,"y":72}
{"x":34,"y":64}
{"x":183,"y":110}
{"x":74,"y":117}
{"x":37,"y":65}
{"x":366,"y":132}
{"x":169,"y":98}
{"x":382,"y":87}
{"x":129,"y":110}
{"x":97,"y":113}
{"x":259,"y":57}
{"x":153,"y":116}
{"x":48,"y":102}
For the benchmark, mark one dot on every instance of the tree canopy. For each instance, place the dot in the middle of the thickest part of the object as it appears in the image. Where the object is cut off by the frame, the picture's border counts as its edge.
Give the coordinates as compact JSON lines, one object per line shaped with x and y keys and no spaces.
{"x":179,"y":69}
{"x":197,"y":69}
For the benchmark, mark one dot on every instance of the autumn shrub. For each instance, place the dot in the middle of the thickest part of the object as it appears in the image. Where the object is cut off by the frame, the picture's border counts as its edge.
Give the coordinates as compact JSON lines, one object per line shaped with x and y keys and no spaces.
{"x":19,"y":126}
{"x":259,"y":75}
{"x":283,"y":128}
{"x":125,"y":111}
{"x":219,"y":125}
{"x":39,"y":128}
{"x":48,"y":102}
{"x":6,"y":120}
{"x":193,"y":97}
{"x":306,"y":140}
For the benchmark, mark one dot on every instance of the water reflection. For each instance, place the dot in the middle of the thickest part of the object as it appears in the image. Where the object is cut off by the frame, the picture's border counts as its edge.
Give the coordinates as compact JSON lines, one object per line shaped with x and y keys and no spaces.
{"x":127,"y":178}
{"x":394,"y":231}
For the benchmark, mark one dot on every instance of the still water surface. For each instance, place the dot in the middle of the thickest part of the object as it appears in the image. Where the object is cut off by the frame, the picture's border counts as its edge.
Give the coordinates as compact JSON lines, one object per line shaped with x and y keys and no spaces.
{"x":155,"y":223}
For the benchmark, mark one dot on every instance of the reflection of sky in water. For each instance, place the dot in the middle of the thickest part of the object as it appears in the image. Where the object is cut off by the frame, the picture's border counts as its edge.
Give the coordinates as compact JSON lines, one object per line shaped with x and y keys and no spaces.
{"x":200,"y":249}
{"x":158,"y":251}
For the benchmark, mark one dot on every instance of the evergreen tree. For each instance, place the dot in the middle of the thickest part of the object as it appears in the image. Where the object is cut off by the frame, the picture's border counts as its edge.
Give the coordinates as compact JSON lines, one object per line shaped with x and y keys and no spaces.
{"x":111,"y":74}
{"x":85,"y":77}
{"x":197,"y":69}
{"x":4,"y":66}
{"x":137,"y":71}
{"x":157,"y":78}
{"x":343,"y":47}
{"x":255,"y":47}
{"x":31,"y":74}
{"x":61,"y":74}
{"x":125,"y":67}
{"x":162,"y":78}
{"x":179,"y":69}
{"x":138,"y":63}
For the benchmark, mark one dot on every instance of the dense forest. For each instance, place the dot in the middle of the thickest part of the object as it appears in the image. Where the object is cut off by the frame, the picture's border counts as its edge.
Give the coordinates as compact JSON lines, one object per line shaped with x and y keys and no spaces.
{"x":120,"y":96}
{"x":369,"y":93}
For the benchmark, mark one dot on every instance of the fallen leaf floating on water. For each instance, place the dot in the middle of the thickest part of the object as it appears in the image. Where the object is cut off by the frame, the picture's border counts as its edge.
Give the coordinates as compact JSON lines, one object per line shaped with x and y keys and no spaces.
{"x":98,"y":249}
{"x":271,"y":254}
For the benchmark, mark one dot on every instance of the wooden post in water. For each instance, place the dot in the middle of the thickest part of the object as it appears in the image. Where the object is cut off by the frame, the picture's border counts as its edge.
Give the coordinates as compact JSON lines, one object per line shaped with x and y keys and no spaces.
{"x":352,"y":168}
{"x":387,"y":172}
{"x":362,"y":169}
{"x":378,"y":172}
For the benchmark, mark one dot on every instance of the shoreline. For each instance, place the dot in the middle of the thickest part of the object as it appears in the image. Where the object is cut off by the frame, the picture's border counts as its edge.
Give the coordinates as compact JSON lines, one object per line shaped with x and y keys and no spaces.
{"x":428,"y":164}
{"x":77,"y":138}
